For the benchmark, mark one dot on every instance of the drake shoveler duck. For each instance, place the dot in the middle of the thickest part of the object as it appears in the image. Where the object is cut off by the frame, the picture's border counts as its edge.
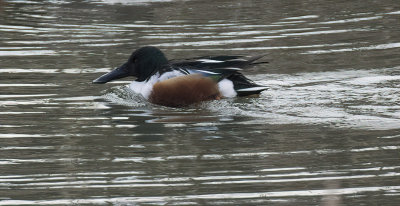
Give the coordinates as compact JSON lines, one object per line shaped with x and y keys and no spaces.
{"x":177,"y":83}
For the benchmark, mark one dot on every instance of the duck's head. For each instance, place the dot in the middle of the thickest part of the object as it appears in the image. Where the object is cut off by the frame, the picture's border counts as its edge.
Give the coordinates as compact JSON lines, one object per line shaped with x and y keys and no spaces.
{"x":141,"y":64}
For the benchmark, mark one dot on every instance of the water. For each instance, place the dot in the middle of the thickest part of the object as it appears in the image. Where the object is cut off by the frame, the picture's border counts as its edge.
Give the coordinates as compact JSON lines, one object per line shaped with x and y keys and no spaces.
{"x":327,"y":132}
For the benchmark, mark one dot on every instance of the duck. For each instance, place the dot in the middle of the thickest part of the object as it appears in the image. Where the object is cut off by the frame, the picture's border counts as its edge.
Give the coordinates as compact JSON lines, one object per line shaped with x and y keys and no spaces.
{"x":179,"y":83}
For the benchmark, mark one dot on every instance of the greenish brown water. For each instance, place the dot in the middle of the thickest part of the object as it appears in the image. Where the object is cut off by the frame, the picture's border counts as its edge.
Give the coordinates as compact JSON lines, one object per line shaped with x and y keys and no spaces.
{"x":327,"y":132}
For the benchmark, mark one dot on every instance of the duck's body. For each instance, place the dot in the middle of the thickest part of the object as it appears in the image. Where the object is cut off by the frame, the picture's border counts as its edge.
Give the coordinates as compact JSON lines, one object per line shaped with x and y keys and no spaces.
{"x":184,"y":90}
{"x":180,"y":83}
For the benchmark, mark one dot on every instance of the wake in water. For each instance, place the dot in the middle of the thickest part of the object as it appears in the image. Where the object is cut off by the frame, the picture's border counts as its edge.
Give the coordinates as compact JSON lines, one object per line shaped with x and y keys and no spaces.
{"x":122,"y":95}
{"x":347,"y":98}
{"x":366,"y":99}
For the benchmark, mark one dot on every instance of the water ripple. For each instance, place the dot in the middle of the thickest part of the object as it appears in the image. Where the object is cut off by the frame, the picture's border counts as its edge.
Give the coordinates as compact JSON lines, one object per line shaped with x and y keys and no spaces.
{"x":326,"y":132}
{"x":216,"y":196}
{"x":372,"y":47}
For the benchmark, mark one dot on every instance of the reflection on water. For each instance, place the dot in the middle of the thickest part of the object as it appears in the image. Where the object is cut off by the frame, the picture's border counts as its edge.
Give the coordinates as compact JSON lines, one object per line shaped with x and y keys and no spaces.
{"x":325,"y":133}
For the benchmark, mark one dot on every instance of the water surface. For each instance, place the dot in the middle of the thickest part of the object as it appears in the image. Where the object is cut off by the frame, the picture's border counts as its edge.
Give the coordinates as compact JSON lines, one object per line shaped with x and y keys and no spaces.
{"x":327,"y":132}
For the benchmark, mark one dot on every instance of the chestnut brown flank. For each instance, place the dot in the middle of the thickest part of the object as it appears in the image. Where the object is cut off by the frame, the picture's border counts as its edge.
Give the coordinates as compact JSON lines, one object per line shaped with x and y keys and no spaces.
{"x":184,"y":90}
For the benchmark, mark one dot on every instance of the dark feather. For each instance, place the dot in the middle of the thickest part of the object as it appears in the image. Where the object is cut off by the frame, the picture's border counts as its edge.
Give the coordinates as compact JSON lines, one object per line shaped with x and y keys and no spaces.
{"x":226,"y":67}
{"x":214,"y":62}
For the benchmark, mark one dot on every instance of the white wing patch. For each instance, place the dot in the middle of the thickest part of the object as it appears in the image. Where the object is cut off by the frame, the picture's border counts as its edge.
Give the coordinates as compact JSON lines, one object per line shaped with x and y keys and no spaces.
{"x":209,"y":61}
{"x":252,"y":89}
{"x":232,"y":68}
{"x":201,"y":71}
{"x":237,"y":60}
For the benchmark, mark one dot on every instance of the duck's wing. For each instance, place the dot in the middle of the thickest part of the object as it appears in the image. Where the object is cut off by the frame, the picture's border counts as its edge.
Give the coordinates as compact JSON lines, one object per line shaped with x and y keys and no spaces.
{"x":220,"y":67}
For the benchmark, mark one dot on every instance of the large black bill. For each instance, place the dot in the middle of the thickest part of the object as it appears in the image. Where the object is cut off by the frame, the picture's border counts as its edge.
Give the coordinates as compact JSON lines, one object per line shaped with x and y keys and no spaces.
{"x":117,"y":73}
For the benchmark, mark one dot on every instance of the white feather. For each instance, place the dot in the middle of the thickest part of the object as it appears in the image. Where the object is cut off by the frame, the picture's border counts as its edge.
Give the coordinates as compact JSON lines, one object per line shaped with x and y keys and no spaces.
{"x":232,"y":68}
{"x":201,"y":71}
{"x":226,"y":89}
{"x":252,"y":89}
{"x":209,"y":61}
